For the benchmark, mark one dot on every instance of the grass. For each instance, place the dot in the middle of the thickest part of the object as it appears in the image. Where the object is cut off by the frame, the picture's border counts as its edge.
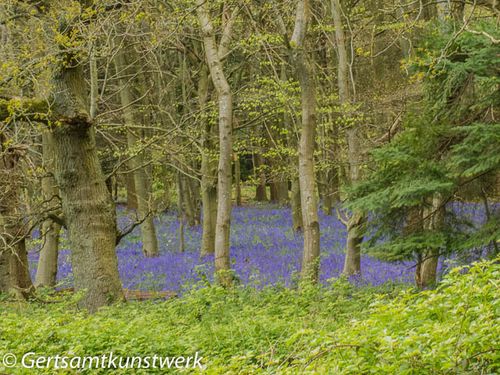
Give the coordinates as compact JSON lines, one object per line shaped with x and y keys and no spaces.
{"x":337,"y":328}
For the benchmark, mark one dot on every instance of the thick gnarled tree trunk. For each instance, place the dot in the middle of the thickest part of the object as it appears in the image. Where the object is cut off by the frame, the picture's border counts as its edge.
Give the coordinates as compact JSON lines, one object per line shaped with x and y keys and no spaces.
{"x":87,"y":205}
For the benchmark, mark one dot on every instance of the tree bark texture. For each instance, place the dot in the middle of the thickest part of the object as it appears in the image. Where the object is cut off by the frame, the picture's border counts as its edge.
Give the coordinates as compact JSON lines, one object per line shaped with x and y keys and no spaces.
{"x":309,"y":204}
{"x":142,"y":186}
{"x":87,"y":205}
{"x":223,"y":224}
{"x":352,"y":263}
{"x":46,"y":274}
{"x":14,"y":271}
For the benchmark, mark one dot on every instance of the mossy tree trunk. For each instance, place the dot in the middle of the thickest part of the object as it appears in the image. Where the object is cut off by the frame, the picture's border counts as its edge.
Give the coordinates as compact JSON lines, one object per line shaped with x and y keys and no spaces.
{"x":87,"y":205}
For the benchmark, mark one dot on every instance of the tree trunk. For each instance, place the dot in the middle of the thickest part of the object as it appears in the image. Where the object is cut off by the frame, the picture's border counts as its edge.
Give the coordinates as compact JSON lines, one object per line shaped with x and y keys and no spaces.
{"x":87,"y":205}
{"x":309,"y":204}
{"x":89,"y":213}
{"x":46,"y":274}
{"x":181,"y":214}
{"x":237,"y":179}
{"x":190,"y":200}
{"x":19,"y":270}
{"x":14,"y":271}
{"x":434,"y":221}
{"x":222,"y":264}
{"x":296,"y":207}
{"x":279,"y":191}
{"x":294,"y":176}
{"x":352,"y":264}
{"x":5,"y":256}
{"x":130,"y":187}
{"x":428,"y":269}
{"x":137,"y":163}
{"x":209,"y":198}
{"x":208,"y":173}
{"x":260,"y":190}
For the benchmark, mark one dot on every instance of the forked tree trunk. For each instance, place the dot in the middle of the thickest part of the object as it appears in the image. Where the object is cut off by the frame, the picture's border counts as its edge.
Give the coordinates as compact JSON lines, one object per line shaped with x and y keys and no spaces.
{"x":46,"y":274}
{"x":352,"y":264}
{"x":309,"y":204}
{"x":223,"y":226}
{"x":137,"y":163}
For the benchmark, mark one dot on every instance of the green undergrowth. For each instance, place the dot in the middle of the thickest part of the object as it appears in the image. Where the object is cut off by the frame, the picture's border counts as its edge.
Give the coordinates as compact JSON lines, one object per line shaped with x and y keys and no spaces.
{"x":339,"y":329}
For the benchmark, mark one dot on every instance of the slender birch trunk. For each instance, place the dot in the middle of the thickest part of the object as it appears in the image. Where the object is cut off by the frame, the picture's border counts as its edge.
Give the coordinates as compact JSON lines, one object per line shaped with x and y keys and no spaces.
{"x":223,"y":225}
{"x":352,"y":264}
{"x":309,"y":203}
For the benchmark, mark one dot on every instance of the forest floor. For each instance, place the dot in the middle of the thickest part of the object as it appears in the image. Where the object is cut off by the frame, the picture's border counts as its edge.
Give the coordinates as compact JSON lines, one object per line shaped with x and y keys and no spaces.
{"x":375,"y":324}
{"x":338,"y":328}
